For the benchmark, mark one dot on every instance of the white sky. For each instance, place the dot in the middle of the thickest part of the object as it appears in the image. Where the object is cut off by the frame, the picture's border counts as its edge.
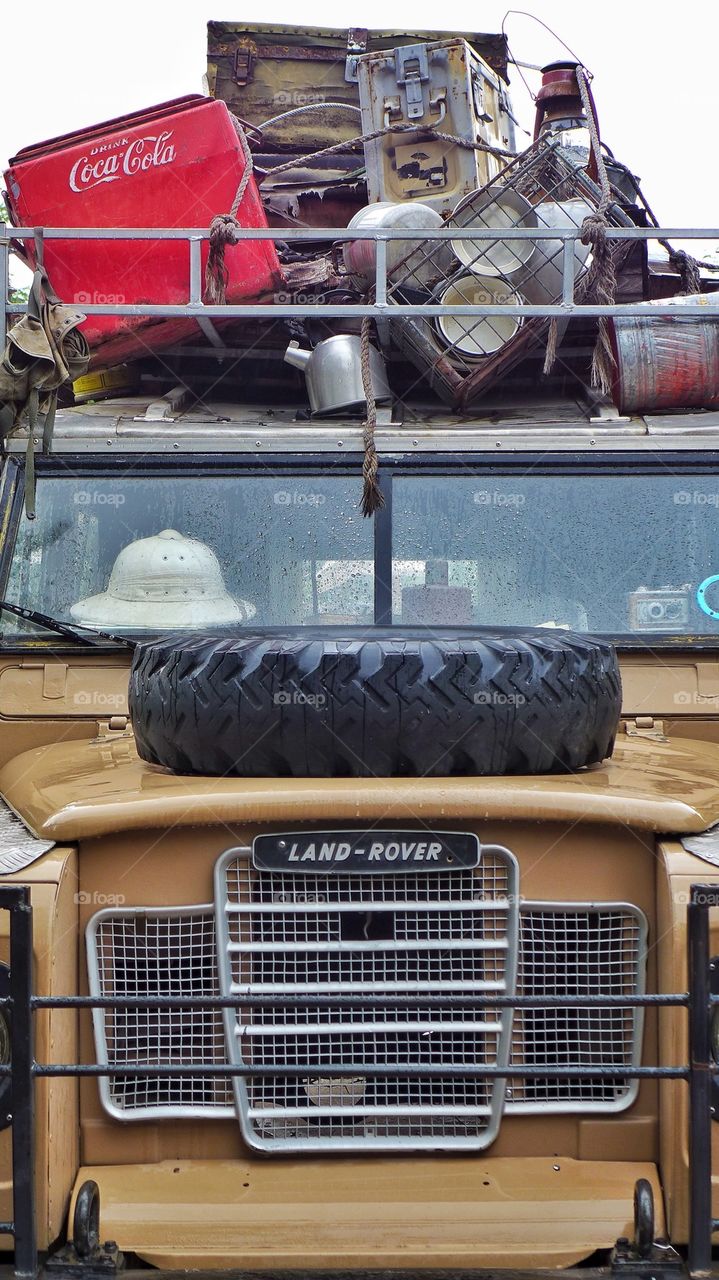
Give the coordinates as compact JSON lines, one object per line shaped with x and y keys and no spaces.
{"x":655,"y":66}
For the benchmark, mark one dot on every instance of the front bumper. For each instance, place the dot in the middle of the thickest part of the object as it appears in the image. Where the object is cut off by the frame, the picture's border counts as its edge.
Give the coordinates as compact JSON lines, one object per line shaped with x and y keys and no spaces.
{"x":369,"y":1214}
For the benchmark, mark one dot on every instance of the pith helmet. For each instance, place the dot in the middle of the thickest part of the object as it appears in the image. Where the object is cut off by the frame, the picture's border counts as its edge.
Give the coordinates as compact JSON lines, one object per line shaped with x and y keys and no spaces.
{"x":161,"y":583}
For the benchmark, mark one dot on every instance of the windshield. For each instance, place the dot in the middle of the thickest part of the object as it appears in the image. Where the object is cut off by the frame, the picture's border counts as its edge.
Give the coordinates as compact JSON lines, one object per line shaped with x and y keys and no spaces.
{"x":632,"y":556}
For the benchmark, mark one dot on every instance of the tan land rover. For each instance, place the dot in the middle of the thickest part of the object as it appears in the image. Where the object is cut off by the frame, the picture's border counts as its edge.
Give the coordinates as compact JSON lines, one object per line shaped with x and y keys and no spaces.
{"x":356,"y":875}
{"x":369,"y":934}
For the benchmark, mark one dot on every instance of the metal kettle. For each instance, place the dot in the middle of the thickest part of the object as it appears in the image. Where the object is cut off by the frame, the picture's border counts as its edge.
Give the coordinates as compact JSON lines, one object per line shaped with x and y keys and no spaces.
{"x":333,"y":372}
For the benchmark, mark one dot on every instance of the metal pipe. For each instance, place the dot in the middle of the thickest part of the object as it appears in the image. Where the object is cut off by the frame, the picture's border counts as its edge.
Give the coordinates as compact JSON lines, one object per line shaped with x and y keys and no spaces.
{"x":274,"y":311}
{"x":23,"y":1083}
{"x":381,"y":272}
{"x":442,"y":1000}
{"x":403,"y":1071}
{"x":568,"y":268}
{"x":195,"y":243}
{"x":700,"y":1076}
{"x":311,"y":234}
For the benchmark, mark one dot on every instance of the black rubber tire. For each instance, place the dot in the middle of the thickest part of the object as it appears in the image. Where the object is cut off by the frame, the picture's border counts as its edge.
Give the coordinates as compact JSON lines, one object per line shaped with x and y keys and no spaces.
{"x":384,"y":703}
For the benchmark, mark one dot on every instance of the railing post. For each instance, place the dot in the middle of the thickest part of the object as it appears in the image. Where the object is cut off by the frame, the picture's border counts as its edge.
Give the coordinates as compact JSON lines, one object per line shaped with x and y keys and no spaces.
{"x":700,"y":1080}
{"x":568,"y":265}
{"x":381,"y":271}
{"x":23,"y":1085}
{"x":5,"y":287}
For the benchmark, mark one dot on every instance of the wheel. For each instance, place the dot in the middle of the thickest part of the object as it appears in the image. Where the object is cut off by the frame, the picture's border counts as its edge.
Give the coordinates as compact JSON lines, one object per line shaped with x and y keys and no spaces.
{"x":382,"y":703}
{"x":643,"y":1217}
{"x":86,"y":1222}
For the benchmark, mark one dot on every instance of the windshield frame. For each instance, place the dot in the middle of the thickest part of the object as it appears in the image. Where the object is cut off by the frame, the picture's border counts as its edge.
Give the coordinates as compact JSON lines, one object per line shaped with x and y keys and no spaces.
{"x":512,"y":461}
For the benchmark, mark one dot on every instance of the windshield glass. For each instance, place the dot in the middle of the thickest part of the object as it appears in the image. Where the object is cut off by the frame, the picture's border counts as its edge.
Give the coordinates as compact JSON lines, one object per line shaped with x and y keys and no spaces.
{"x":632,"y":556}
{"x":620,"y":555}
{"x":158,"y":553}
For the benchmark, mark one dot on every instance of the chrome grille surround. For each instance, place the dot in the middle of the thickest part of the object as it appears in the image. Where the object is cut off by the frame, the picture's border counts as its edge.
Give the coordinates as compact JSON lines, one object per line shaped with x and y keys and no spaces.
{"x":578,"y":949}
{"x":390,"y":933}
{"x":151,"y":951}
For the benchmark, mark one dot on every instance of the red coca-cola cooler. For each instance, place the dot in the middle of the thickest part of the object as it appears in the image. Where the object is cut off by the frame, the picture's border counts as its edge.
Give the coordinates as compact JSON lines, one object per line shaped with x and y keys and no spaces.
{"x":175,"y":165}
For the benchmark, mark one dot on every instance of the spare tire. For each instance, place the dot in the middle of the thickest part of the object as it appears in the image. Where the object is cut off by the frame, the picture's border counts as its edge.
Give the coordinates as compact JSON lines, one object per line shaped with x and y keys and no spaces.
{"x":324,"y":703}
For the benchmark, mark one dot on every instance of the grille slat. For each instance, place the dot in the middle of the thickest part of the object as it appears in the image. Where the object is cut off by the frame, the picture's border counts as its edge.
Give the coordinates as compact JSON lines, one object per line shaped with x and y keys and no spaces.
{"x":338,"y":933}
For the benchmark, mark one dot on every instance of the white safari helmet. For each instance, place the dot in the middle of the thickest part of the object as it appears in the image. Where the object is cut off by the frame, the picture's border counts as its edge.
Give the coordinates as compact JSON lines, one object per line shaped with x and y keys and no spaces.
{"x":160,"y":583}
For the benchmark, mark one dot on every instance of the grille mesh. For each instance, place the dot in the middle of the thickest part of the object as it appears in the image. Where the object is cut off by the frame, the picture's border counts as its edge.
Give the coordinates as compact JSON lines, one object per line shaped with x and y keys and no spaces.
{"x":578,"y":951}
{"x":333,"y":933}
{"x":158,"y":953}
{"x":408,"y":934}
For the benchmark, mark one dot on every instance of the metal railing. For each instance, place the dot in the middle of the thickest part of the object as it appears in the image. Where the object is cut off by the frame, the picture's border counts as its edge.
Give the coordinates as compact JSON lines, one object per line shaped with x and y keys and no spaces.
{"x":700,"y":1072}
{"x":380,"y":307}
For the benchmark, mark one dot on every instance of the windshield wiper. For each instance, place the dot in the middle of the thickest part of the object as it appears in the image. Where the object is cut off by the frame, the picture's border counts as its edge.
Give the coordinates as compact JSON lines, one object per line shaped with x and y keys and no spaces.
{"x":66,"y":629}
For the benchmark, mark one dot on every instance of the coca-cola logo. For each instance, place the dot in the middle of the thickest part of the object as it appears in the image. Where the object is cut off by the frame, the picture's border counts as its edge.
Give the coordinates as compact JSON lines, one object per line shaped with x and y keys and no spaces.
{"x":108,"y":162}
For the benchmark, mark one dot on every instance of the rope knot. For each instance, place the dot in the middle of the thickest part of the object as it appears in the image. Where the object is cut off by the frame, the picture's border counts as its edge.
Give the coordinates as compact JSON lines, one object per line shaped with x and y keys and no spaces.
{"x":594,"y":229}
{"x":223,"y":228}
{"x":222,"y":233}
{"x":688,"y":269}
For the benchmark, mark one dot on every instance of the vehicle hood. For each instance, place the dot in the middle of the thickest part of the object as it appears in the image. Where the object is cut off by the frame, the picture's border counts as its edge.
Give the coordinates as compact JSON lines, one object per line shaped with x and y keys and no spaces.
{"x":72,"y":791}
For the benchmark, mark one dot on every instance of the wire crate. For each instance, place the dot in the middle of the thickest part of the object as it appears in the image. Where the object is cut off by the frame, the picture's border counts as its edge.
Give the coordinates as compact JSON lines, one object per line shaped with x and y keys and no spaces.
{"x":463,"y":356}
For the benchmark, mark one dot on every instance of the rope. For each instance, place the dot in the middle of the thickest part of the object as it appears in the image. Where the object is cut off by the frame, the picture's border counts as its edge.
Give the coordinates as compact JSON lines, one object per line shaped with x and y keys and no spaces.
{"x":372,"y":496}
{"x":687,"y":267}
{"x":601,"y":281}
{"x":223,"y":228}
{"x":338,"y":147}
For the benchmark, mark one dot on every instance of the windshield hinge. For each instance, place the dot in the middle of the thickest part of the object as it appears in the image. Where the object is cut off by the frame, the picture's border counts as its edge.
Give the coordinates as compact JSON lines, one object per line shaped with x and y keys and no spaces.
{"x":645,"y":727}
{"x":113,"y":724}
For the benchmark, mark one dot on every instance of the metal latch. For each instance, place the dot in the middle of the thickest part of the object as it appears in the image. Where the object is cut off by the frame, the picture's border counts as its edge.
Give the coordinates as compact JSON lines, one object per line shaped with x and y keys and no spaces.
{"x":242,"y":64}
{"x":356,"y":45}
{"x":645,"y":727}
{"x":480,"y":109}
{"x":412,"y":71}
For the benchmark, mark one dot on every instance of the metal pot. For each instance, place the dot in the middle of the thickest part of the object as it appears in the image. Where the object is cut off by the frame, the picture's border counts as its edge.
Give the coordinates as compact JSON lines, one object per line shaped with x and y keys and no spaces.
{"x":360,"y":256}
{"x":505,"y":208}
{"x":333,"y":372}
{"x":477,"y":336}
{"x":542,"y":278}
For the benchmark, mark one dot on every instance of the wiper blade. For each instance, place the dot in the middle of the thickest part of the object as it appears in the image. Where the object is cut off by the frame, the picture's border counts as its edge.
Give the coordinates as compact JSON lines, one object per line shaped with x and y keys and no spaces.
{"x":66,"y":629}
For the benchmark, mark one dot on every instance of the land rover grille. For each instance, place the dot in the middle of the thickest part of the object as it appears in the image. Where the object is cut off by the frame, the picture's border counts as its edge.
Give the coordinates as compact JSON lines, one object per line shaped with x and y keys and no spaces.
{"x":401,"y":938}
